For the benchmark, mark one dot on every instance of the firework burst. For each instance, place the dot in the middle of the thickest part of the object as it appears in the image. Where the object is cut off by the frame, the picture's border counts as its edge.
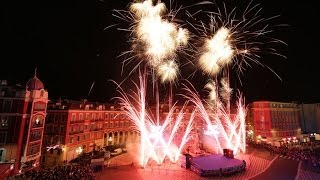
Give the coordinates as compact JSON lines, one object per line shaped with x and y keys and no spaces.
{"x":156,"y":37}
{"x":234,"y":39}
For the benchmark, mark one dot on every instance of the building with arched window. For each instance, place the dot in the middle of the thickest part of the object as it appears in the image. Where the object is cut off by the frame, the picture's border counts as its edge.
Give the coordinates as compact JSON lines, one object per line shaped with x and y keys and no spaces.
{"x":73,"y":127}
{"x":22,"y":119}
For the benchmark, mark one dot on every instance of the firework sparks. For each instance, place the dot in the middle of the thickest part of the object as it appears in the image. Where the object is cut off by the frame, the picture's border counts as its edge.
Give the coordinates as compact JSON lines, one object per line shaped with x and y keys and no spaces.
{"x":153,"y":143}
{"x":159,"y":37}
{"x":225,"y":90}
{"x":227,"y":131}
{"x":168,"y":71}
{"x":218,"y":52}
{"x":234,"y":39}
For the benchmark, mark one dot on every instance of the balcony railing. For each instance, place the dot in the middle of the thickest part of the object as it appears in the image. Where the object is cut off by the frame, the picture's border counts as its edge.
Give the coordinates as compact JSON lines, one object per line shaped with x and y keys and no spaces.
{"x":77,"y":121}
{"x":75,"y":132}
{"x":34,"y":125}
{"x":97,"y":120}
{"x":37,"y":138}
{"x":96,"y":129}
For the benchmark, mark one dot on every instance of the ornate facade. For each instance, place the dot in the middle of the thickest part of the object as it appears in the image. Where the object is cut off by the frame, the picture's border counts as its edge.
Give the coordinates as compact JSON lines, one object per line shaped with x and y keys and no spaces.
{"x":73,"y":127}
{"x":22,"y":116}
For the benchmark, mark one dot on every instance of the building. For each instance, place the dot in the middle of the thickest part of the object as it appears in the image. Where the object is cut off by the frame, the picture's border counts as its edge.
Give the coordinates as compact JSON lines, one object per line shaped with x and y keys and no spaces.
{"x":22,"y":116}
{"x":310,"y":121}
{"x":73,"y":127}
{"x":310,"y":117}
{"x":276,"y":122}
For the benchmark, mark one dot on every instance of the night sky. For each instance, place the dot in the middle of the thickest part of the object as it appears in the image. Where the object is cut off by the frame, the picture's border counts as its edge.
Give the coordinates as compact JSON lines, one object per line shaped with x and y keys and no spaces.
{"x":68,"y":45}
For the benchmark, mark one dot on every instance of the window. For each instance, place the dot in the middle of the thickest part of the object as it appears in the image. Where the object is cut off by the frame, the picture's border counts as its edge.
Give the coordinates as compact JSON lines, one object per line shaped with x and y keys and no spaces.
{"x":6,"y":106}
{"x":93,"y":116}
{"x":106,"y":125}
{"x":116,"y":124}
{"x":41,"y":93}
{"x":78,"y":138}
{"x":80,"y":116}
{"x":111,"y":124}
{"x":33,"y":148}
{"x":87,"y":115}
{"x":55,"y":120}
{"x":111,"y":116}
{"x":3,"y":136}
{"x":71,"y":139}
{"x":91,"y":135}
{"x":3,"y":121}
{"x":99,"y":135}
{"x":99,"y":116}
{"x":63,"y":118}
{"x":106,"y":116}
{"x":121,"y":124}
{"x":73,"y":117}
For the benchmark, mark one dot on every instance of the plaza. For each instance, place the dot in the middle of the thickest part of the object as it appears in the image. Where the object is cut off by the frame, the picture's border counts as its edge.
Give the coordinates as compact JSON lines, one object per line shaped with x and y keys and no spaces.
{"x":259,"y":162}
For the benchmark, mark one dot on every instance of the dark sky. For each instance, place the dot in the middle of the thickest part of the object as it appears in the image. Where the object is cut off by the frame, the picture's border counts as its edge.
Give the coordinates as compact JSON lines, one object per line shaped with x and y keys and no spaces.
{"x":69,"y":46}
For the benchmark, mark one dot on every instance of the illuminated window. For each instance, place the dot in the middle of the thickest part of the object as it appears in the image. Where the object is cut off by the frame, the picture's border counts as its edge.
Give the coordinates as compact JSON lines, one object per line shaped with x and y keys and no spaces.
{"x":73,"y":117}
{"x":41,"y":93}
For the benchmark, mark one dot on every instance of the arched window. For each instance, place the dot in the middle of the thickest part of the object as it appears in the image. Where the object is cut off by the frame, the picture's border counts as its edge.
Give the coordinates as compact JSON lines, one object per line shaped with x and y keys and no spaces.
{"x":41,"y":93}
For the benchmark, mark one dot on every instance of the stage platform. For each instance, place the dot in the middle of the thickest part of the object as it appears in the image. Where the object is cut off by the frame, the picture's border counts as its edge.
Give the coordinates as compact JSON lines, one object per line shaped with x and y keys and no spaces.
{"x":216,"y":165}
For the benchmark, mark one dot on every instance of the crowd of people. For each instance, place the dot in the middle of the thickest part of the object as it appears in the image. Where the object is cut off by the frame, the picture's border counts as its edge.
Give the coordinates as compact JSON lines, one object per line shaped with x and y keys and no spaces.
{"x":308,"y":152}
{"x":68,"y":172}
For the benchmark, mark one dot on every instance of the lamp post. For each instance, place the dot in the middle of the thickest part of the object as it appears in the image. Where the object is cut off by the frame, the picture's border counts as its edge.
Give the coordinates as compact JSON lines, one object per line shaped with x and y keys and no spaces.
{"x":79,"y":150}
{"x":110,"y":140}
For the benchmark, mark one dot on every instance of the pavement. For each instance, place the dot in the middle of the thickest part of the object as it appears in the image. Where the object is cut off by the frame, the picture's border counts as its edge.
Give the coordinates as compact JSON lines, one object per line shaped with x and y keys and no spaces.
{"x":260,"y":165}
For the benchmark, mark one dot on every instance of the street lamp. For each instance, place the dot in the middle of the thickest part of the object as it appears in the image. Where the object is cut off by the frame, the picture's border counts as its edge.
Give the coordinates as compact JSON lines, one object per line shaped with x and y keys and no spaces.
{"x":110,"y":140}
{"x":79,"y":150}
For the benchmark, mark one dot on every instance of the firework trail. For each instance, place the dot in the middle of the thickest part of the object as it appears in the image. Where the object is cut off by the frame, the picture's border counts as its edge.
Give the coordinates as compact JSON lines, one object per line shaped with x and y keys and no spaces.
{"x":227,"y":131}
{"x":153,"y":144}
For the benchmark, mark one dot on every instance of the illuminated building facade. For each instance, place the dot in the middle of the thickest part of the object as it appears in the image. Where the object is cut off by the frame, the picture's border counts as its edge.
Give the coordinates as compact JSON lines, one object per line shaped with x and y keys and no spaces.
{"x":276,"y":122}
{"x":73,"y":127}
{"x":22,"y":116}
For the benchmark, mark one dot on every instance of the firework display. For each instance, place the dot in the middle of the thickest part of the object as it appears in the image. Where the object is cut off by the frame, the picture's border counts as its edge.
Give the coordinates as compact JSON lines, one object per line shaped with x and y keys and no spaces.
{"x":156,"y":38}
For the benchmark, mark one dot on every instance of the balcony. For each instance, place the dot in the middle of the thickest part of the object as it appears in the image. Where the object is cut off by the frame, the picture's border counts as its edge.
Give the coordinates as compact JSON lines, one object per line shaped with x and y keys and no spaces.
{"x":75,"y":132}
{"x":77,"y":121}
{"x":35,"y":125}
{"x":96,"y":129}
{"x":35,"y":138}
{"x":97,"y":120}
